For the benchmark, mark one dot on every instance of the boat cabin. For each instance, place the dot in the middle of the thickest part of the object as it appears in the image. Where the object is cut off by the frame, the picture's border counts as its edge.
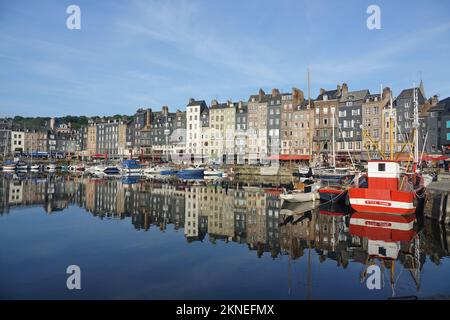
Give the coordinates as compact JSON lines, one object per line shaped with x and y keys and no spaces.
{"x":383,"y":174}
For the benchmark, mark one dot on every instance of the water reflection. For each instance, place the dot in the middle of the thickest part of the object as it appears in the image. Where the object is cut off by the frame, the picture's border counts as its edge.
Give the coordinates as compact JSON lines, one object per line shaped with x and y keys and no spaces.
{"x":249,"y":216}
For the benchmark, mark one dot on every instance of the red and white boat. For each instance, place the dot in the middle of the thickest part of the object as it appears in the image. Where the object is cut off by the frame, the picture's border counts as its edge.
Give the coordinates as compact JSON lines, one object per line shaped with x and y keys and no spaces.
{"x":388,"y":189}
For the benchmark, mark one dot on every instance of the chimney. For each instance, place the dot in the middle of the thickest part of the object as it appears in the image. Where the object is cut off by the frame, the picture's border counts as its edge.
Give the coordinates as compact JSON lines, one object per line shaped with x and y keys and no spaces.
{"x":434,"y":100}
{"x":338,"y":89}
{"x":148,"y":118}
{"x":191,"y":100}
{"x":297,"y":96}
{"x":261,"y":94}
{"x":275,"y":92}
{"x":322,"y":91}
{"x":165,"y":110}
{"x":52,"y":123}
{"x":386,"y":93}
{"x":344,"y":91}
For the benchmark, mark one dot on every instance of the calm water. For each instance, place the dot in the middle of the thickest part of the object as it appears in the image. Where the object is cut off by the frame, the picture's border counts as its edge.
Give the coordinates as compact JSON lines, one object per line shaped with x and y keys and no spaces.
{"x":163,"y":241}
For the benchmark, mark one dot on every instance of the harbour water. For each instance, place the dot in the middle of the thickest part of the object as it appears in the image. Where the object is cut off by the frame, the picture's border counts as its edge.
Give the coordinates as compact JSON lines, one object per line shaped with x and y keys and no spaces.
{"x":159,"y":240}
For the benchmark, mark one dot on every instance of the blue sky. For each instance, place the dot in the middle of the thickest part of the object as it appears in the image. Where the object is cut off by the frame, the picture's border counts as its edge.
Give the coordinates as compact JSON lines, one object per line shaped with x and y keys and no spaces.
{"x":131,"y":54}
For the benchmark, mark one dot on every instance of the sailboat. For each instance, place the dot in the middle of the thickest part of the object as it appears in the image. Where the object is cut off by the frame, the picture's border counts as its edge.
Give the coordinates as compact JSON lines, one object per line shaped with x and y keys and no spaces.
{"x":335,"y":182}
{"x":390,"y":189}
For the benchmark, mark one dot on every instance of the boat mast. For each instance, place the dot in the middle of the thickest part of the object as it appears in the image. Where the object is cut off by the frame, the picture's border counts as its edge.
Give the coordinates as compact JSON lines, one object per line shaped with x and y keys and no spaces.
{"x":311,"y":127}
{"x":334,"y":142}
{"x":391,"y":141}
{"x":383,"y":125}
{"x":416,"y":126}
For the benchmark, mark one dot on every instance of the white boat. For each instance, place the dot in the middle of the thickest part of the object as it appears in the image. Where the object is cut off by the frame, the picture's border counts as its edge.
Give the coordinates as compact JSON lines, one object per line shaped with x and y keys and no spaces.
{"x":34,"y":167}
{"x":300,"y":196}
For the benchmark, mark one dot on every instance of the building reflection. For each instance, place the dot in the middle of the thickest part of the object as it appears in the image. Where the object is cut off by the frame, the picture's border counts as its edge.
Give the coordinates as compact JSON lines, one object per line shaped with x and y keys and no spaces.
{"x":250,"y":216}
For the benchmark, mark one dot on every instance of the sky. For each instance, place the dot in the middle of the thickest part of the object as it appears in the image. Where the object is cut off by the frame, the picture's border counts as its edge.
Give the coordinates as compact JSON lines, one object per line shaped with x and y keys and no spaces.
{"x":132,"y":54}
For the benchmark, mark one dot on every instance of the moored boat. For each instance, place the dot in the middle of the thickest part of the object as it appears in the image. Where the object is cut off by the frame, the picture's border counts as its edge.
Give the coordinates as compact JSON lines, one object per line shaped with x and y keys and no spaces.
{"x":388,"y":189}
{"x":300,"y":196}
{"x":132,"y":167}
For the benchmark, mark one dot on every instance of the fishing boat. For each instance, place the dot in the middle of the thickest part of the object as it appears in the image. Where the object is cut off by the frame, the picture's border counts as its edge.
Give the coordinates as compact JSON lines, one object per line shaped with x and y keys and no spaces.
{"x":190,"y":173}
{"x":391,"y":189}
{"x":132,"y":167}
{"x":388,"y":189}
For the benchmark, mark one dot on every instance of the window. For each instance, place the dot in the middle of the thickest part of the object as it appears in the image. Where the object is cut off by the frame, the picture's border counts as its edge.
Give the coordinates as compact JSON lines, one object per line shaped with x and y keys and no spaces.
{"x":448,"y":136}
{"x":381,"y":167}
{"x":448,"y":124}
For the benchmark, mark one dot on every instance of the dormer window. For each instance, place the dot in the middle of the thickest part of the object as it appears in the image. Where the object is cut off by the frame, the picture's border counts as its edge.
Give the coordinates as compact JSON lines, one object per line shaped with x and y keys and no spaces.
{"x":325,"y":97}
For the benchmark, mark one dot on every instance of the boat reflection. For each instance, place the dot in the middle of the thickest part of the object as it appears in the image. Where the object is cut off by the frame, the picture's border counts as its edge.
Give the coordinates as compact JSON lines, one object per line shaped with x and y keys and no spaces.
{"x":251,"y":216}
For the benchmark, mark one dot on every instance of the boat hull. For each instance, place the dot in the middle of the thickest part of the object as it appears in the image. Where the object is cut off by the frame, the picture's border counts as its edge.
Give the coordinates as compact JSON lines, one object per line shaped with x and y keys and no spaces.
{"x":333,"y":195}
{"x":382,"y":201}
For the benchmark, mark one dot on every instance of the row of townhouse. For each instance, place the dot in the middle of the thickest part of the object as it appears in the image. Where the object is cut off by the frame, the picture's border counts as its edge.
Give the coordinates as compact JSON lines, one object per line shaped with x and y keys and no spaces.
{"x":265,"y":126}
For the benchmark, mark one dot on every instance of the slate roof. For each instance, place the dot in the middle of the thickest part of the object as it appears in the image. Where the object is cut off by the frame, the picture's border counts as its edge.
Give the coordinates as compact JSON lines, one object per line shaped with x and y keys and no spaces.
{"x":332,"y":94}
{"x":408,"y":94}
{"x":357,"y":95}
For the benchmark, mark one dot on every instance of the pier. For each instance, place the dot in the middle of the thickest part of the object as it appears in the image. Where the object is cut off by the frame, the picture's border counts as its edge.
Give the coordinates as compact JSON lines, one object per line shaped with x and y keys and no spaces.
{"x":437,"y":204}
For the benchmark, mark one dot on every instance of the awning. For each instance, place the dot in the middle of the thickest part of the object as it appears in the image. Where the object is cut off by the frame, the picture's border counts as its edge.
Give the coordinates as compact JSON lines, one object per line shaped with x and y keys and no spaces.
{"x":100,"y":155}
{"x":434,"y":157}
{"x":289,"y":157}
